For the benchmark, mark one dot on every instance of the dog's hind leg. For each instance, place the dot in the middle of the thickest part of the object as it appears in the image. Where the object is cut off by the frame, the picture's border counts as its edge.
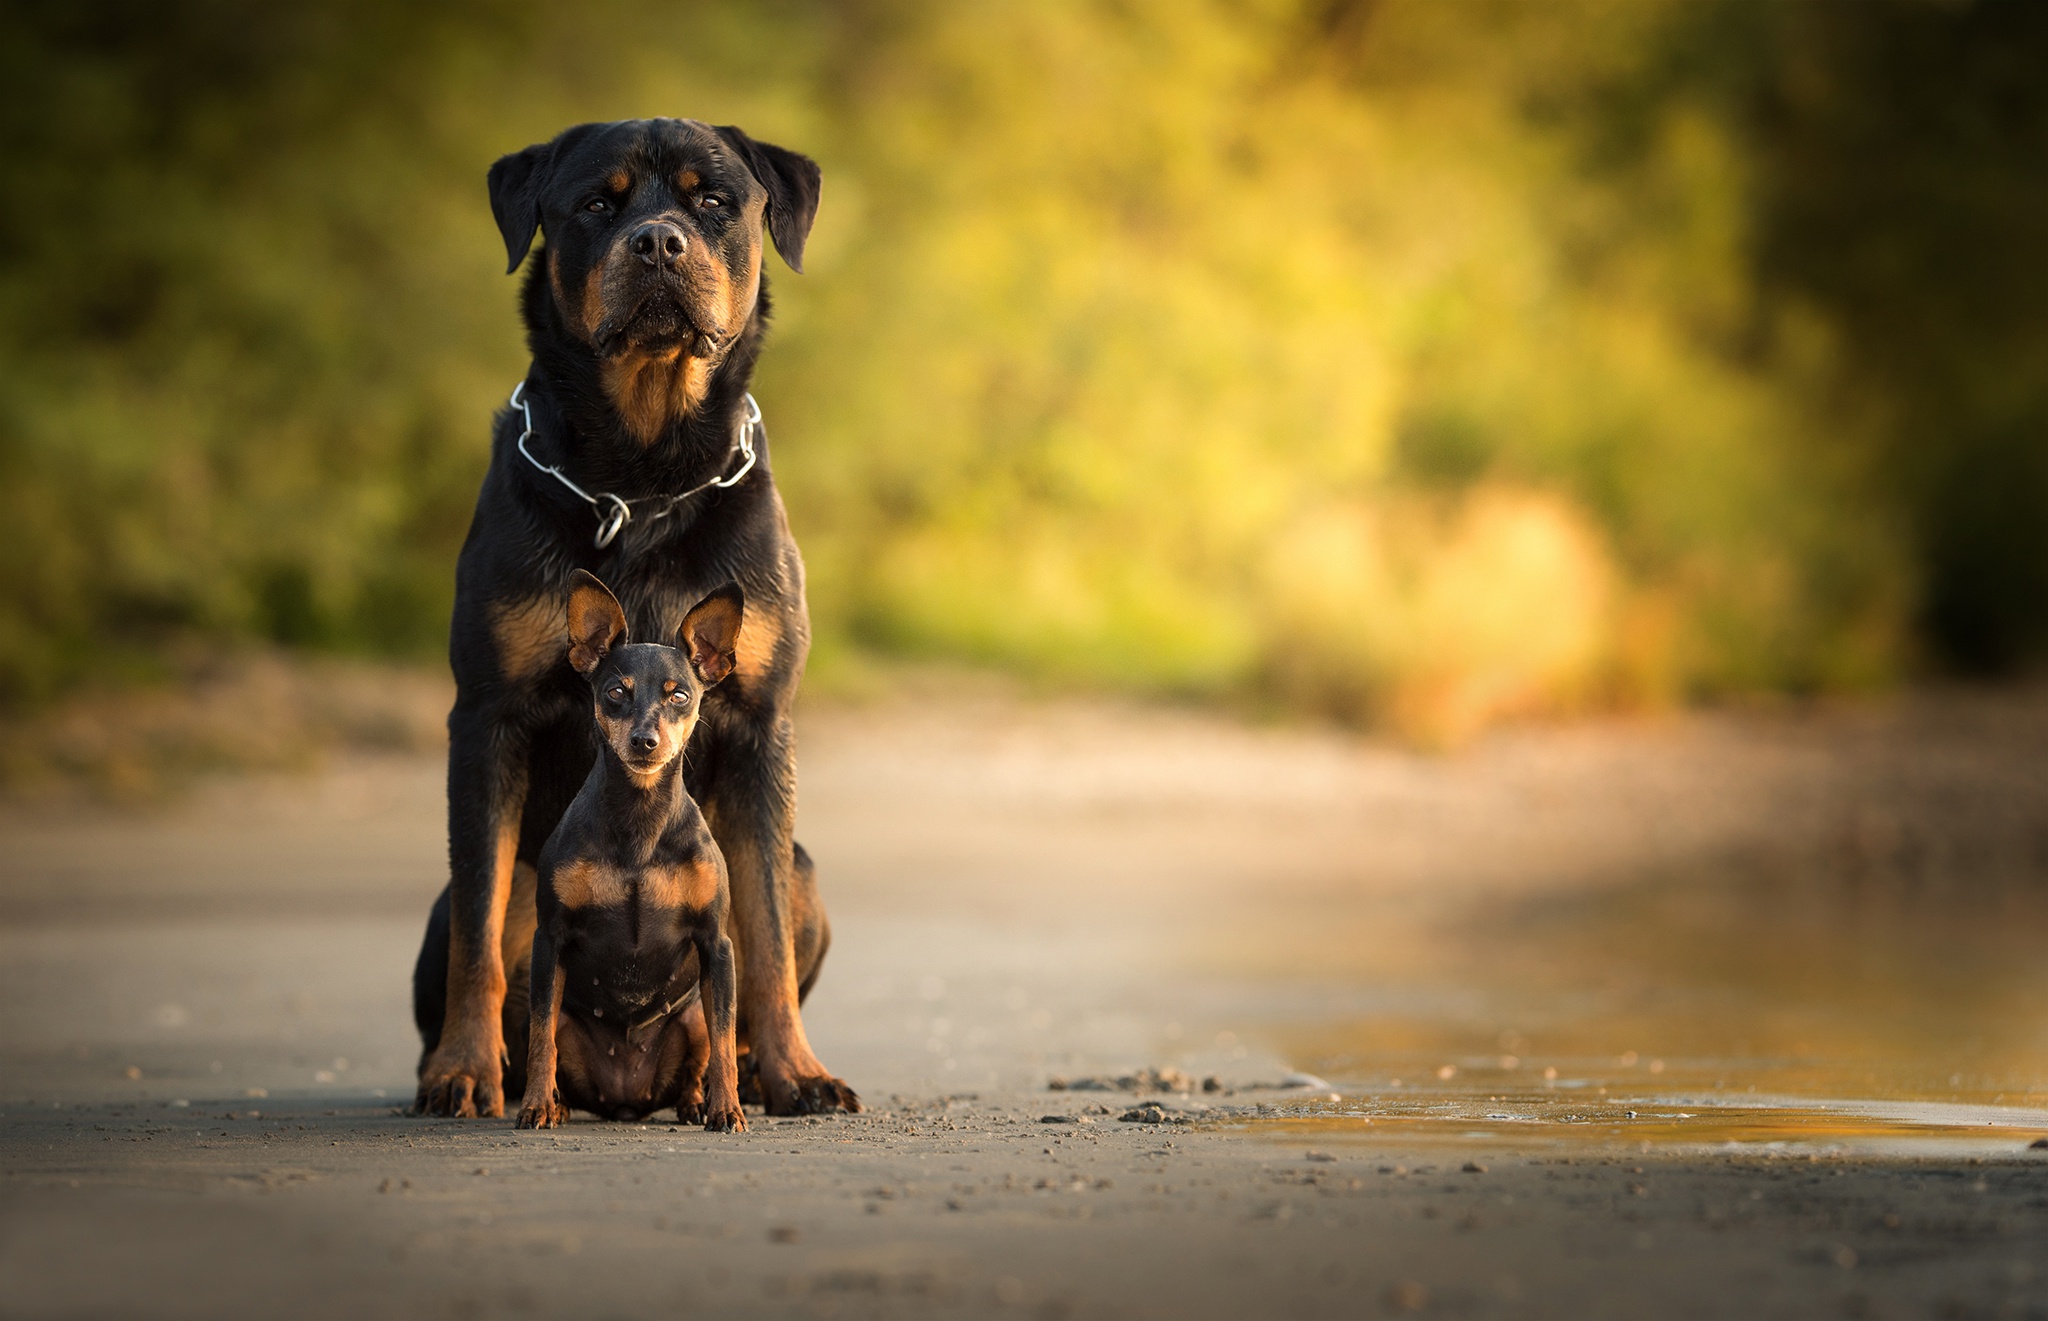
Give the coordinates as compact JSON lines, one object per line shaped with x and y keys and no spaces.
{"x":430,"y":978}
{"x":813,"y":934}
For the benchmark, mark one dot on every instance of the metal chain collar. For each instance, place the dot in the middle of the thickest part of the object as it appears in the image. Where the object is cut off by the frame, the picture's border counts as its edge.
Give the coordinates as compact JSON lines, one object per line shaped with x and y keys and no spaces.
{"x":614,"y":512}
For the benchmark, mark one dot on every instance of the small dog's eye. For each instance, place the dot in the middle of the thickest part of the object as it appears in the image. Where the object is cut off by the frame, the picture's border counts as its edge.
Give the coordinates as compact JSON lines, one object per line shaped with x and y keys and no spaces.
{"x":711,"y":203}
{"x":616,"y":693}
{"x":597,"y":206}
{"x":679,"y":697}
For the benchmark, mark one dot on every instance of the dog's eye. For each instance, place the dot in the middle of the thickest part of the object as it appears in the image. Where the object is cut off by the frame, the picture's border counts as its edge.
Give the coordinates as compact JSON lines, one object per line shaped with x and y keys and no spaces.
{"x":711,"y":203}
{"x":597,"y":206}
{"x":679,"y":697}
{"x":615,"y":693}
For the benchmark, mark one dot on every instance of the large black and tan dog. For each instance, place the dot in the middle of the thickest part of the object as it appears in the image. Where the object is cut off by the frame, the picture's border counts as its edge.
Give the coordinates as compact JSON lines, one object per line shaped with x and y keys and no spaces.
{"x":645,"y":313}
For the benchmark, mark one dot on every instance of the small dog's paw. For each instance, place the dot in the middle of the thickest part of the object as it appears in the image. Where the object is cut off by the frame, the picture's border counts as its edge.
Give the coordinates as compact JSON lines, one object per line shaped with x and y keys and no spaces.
{"x":726,"y":1118}
{"x":542,"y":1114}
{"x":690,"y":1112}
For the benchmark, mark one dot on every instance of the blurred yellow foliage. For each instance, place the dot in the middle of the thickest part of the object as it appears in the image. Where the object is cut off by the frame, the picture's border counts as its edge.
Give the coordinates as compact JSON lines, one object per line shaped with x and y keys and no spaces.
{"x":1437,"y":623}
{"x":1330,"y":355}
{"x":1206,"y":351}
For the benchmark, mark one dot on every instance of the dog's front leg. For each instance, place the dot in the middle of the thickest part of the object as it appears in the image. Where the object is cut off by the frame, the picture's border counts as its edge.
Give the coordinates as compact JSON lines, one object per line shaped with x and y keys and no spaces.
{"x":751,"y":809}
{"x":721,"y":1105}
{"x":487,"y":778}
{"x":543,"y":1106}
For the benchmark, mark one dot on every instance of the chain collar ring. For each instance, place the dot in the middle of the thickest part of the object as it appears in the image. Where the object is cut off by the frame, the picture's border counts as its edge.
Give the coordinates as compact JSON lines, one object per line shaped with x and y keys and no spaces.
{"x":613,"y":511}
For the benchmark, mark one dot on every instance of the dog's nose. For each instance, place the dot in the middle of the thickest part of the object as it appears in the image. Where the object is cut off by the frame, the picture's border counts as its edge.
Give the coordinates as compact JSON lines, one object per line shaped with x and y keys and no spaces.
{"x":658,"y":243}
{"x":646,"y":741}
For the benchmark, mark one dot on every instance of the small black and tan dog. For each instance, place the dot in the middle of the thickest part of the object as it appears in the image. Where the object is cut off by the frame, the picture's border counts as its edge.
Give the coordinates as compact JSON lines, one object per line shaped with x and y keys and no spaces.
{"x":631,"y":987}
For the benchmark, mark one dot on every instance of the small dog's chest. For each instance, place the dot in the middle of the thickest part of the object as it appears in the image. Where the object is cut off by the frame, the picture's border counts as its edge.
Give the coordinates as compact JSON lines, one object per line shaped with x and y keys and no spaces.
{"x":627,"y":951}
{"x":659,"y":888}
{"x":627,"y":990}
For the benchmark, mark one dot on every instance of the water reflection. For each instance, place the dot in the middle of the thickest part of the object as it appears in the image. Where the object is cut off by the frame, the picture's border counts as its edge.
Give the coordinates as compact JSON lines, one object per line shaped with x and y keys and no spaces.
{"x":1745,"y":1003}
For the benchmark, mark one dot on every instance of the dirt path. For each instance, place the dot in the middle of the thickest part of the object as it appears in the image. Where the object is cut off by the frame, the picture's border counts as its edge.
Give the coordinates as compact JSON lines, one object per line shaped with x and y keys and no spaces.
{"x":1741,"y":1015}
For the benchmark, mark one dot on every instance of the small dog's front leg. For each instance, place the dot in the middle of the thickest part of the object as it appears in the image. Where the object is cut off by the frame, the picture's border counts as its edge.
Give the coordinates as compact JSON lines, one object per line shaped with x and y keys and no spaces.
{"x":696,"y":1050}
{"x":543,"y":1106}
{"x":722,"y":1112}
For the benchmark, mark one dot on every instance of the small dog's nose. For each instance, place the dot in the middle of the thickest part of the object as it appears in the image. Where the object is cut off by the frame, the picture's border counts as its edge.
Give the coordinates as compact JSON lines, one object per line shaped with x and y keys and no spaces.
{"x":646,"y":741}
{"x":658,"y":243}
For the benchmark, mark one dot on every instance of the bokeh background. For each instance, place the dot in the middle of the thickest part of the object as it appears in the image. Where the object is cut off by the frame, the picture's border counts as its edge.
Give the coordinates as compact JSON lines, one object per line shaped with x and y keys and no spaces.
{"x":1416,"y":364}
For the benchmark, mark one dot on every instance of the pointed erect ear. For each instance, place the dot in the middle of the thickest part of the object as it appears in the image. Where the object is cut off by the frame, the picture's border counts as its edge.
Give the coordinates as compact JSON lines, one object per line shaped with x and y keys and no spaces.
{"x":710,"y":632}
{"x":792,"y":182}
{"x":516,"y":184}
{"x":596,"y":623}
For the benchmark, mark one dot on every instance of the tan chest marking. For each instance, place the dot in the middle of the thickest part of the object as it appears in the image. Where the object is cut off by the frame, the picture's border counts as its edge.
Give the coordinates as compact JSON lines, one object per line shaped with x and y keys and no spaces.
{"x":692,"y":886}
{"x":531,"y":635}
{"x":590,"y":885}
{"x":595,"y":885}
{"x":652,"y":389}
{"x":754,"y":651}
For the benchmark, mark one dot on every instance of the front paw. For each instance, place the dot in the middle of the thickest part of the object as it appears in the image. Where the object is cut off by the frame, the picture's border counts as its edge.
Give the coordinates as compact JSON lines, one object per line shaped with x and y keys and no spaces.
{"x":790,"y":1092}
{"x":542,"y":1114}
{"x":461,"y":1079}
{"x":723,"y":1117}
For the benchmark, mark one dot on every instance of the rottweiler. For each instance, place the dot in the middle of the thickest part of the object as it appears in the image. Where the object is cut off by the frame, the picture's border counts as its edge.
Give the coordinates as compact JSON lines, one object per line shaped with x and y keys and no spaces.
{"x":632,"y":450}
{"x":631,"y":982}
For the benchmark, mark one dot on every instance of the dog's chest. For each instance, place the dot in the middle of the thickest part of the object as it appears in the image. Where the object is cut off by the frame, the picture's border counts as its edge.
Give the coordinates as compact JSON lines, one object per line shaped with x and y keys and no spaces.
{"x":657,"y":585}
{"x":627,"y":933}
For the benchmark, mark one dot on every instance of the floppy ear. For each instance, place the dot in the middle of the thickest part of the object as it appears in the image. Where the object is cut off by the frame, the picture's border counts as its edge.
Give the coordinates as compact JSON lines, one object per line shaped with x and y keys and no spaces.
{"x":711,"y":630}
{"x":792,"y":181}
{"x":516,"y":182}
{"x":596,"y":623}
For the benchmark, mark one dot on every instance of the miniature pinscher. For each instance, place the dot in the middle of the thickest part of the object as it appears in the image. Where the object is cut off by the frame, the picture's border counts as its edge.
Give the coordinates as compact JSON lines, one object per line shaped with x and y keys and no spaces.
{"x":631,"y":999}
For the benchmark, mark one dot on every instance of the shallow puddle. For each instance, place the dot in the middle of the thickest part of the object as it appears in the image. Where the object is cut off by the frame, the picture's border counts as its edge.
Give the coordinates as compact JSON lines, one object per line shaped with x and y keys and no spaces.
{"x":1664,"y":1124}
{"x":1751,"y":1010}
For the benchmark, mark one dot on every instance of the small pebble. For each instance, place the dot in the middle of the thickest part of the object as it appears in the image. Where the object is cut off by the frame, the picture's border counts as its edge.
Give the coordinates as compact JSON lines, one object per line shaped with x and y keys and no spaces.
{"x":1407,"y":1296}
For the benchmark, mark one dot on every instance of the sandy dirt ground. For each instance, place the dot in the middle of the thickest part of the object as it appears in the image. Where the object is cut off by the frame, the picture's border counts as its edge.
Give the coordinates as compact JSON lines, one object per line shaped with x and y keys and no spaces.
{"x":1737,"y":1015}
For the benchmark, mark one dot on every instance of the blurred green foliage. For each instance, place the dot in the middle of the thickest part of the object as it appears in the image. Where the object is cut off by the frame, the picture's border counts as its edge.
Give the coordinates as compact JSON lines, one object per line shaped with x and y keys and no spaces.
{"x":1407,"y":361}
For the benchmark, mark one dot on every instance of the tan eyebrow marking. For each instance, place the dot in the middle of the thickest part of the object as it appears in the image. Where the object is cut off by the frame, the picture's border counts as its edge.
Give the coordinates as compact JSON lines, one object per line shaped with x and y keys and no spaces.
{"x":618,"y":181}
